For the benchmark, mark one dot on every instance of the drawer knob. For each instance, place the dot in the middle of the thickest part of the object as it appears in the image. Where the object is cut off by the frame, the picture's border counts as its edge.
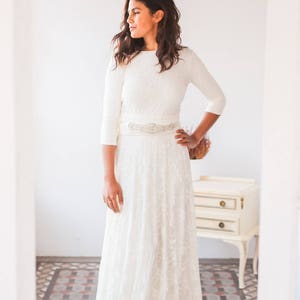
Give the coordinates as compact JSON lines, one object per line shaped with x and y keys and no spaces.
{"x":221,"y":225}
{"x":222,"y":203}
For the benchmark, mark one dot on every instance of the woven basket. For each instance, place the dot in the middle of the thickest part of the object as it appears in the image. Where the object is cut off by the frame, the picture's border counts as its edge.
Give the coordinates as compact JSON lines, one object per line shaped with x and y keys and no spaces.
{"x":201,"y":149}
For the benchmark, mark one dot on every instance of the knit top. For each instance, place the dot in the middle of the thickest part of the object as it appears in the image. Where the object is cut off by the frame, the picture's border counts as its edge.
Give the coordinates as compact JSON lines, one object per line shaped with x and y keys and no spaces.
{"x":138,"y":91}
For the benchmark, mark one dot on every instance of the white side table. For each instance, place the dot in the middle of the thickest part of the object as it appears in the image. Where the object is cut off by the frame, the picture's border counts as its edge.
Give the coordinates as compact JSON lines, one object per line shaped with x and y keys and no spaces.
{"x":226,"y":208}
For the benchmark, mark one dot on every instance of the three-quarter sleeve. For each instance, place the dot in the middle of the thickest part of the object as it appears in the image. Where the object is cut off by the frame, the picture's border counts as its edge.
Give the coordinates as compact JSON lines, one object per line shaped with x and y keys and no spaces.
{"x":112,"y":101}
{"x":203,"y":80}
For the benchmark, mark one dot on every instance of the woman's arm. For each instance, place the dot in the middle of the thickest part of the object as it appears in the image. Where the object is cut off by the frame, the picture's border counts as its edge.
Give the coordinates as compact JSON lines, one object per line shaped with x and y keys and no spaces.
{"x":112,"y":189}
{"x":112,"y":102}
{"x":203,"y":80}
{"x":108,"y":154}
{"x":205,"y":124}
{"x":200,"y":76}
{"x":194,"y":139}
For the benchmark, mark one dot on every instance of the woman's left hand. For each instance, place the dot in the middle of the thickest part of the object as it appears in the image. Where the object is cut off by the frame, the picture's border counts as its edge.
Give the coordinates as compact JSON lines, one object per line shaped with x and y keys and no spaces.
{"x":185,"y":139}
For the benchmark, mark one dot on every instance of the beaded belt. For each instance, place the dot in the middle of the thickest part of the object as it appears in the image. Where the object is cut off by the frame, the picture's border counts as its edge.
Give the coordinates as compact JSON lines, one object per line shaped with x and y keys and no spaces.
{"x":133,"y":128}
{"x":151,"y":127}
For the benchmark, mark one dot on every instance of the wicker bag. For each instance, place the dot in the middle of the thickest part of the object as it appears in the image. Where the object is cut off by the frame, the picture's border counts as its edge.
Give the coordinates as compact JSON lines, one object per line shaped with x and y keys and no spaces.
{"x":201,"y":149}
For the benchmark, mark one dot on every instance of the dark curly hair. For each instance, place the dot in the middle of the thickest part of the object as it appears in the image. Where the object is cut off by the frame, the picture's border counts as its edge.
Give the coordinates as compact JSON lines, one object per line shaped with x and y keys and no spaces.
{"x":168,"y":35}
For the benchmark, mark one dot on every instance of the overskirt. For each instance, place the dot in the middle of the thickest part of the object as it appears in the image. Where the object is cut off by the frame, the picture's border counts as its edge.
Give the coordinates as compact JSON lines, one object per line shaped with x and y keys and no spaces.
{"x":149,"y":249}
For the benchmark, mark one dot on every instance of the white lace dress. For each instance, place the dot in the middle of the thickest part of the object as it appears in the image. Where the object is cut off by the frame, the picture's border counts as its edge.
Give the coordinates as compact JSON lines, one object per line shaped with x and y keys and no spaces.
{"x":150,"y":248}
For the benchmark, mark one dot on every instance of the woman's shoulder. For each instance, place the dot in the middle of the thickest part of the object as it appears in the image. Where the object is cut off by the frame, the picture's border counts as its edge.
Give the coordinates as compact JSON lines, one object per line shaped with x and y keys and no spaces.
{"x":191,"y":56}
{"x":187,"y":52}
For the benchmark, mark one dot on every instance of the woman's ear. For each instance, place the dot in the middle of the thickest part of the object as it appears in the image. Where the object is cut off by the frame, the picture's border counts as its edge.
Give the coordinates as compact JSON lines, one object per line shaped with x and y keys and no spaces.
{"x":158,"y":15}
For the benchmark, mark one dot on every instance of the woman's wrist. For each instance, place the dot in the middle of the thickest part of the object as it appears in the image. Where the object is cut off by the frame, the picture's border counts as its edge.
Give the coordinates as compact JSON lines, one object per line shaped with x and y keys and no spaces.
{"x":109,"y":177}
{"x":198,"y":136}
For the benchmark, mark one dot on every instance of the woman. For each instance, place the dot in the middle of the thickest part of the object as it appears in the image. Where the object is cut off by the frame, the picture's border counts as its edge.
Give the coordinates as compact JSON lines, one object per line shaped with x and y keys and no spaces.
{"x":149,"y":249}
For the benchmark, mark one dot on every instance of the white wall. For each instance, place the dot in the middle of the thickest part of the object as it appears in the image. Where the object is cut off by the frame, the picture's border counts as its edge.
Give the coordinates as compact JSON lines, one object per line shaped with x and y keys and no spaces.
{"x":17,"y":251}
{"x":72,"y":40}
{"x":25,"y":208}
{"x":8,"y":279}
{"x":280,"y":153}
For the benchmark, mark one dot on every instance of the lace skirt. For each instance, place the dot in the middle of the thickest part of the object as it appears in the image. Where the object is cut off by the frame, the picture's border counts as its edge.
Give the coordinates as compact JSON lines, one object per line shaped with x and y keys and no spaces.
{"x":150,"y":248}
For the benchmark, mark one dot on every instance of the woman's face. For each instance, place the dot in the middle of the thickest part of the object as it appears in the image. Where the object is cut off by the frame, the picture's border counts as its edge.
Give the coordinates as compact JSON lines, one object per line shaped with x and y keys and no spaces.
{"x":141,"y":21}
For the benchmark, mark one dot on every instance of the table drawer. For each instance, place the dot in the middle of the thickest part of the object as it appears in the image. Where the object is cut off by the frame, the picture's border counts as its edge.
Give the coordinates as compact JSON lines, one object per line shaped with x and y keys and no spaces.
{"x":215,"y":202}
{"x":220,"y":225}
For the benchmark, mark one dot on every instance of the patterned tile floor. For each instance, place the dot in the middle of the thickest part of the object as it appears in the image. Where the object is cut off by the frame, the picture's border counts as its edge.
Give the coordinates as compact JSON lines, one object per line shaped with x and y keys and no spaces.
{"x":62,"y":274}
{"x":250,"y":290}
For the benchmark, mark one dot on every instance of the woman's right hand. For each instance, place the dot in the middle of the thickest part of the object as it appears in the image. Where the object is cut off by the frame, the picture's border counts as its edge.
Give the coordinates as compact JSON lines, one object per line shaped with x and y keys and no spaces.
{"x":112,"y":194}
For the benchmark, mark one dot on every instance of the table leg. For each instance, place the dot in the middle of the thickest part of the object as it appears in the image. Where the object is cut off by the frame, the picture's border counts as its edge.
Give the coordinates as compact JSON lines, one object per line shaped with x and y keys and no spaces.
{"x":255,"y":258}
{"x":243,"y":250}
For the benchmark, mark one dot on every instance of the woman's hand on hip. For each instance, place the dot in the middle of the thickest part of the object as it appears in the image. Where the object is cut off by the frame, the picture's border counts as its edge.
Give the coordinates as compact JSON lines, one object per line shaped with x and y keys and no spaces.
{"x":184,"y":139}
